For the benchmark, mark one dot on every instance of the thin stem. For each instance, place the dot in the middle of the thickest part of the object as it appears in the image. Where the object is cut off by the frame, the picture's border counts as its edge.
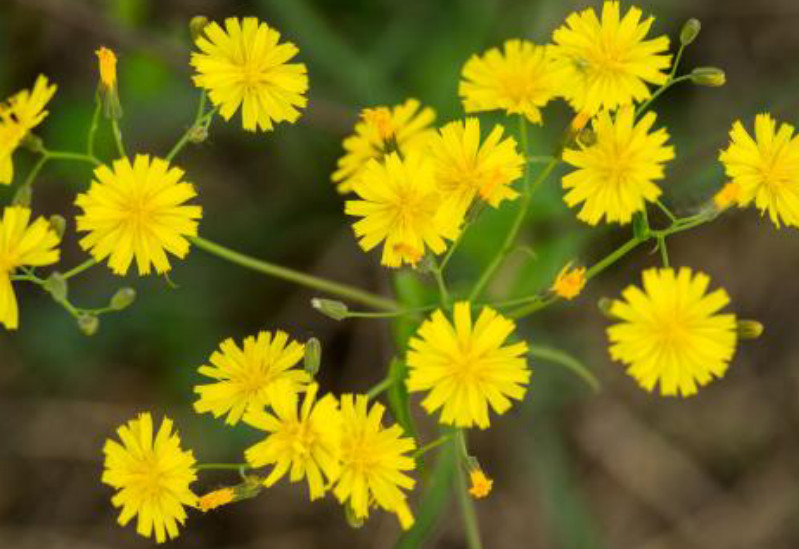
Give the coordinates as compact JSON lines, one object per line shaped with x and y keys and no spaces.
{"x":468,"y":513}
{"x":380,"y":388}
{"x":118,"y":137}
{"x":201,"y":121}
{"x":66,"y":155}
{"x":80,"y":268}
{"x":676,"y":62}
{"x":389,"y":314}
{"x":664,"y":252}
{"x":666,"y":210}
{"x":35,"y":170}
{"x":93,"y":128}
{"x":445,"y":260}
{"x":542,"y":159}
{"x":440,"y":441}
{"x":442,"y":287}
{"x":221,"y":466}
{"x":669,"y":83}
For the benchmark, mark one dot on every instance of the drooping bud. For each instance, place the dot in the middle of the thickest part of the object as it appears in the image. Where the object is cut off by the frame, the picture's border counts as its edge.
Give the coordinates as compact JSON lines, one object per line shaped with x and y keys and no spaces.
{"x":88,"y":324}
{"x":712,"y":77}
{"x":313,"y":356}
{"x":107,"y":88}
{"x":749,"y":329}
{"x":197,"y":27}
{"x":122,"y":299}
{"x":56,"y":286}
{"x":480,"y":483}
{"x":23,"y":196}
{"x":331,"y":308}
{"x":58,"y":224}
{"x":690,"y":31}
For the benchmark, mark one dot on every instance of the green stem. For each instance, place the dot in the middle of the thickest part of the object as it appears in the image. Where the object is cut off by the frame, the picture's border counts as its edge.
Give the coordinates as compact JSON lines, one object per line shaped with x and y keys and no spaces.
{"x":80,"y":268}
{"x":468,"y":513}
{"x":561,"y":358}
{"x":380,"y":388}
{"x":542,"y":159}
{"x":221,"y":466}
{"x":442,"y":286}
{"x":35,"y":170}
{"x":440,"y":441}
{"x":93,"y":128}
{"x":118,"y":137}
{"x":78,"y":157}
{"x":389,"y":314}
{"x":201,"y":121}
{"x":664,"y":252}
{"x":666,"y":210}
{"x":676,"y":61}
{"x":669,"y":83}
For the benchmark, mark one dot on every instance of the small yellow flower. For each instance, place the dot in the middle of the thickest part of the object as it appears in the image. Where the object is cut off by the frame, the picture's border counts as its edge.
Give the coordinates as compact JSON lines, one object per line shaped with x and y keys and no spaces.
{"x":244,"y":65}
{"x":766,"y":168}
{"x":215,"y":499}
{"x":307,"y":441}
{"x":137,"y":211}
{"x":519,"y":80}
{"x":465,"y":367}
{"x":615,"y":176}
{"x":152,"y":475}
{"x":729,"y":195}
{"x":108,"y":67}
{"x":374,"y":460}
{"x":481,"y":484}
{"x":569,"y":282}
{"x":251,"y":376}
{"x":402,"y":128}
{"x":671,"y":332}
{"x":606,"y":63}
{"x":22,"y":244}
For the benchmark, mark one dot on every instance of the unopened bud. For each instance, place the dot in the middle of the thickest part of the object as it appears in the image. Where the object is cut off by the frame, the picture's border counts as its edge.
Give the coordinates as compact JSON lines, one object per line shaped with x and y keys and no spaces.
{"x":690,"y":31}
{"x":313,"y":356}
{"x":197,"y":27}
{"x":586,"y":137}
{"x":58,"y":224}
{"x":328,"y":307}
{"x":23,"y":196}
{"x":198,"y":134}
{"x":352,"y":519}
{"x":640,"y":225}
{"x":33,"y":143}
{"x":749,"y":329}
{"x":56,"y":286}
{"x":123,"y":299}
{"x":88,"y":324}
{"x":605,"y":305}
{"x":708,"y":76}
{"x":427,"y":264}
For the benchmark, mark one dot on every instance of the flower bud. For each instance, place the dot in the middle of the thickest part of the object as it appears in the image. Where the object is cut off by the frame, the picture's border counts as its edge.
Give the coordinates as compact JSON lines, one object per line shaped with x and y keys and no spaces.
{"x":749,"y":329}
{"x":88,"y":324}
{"x":56,"y":286}
{"x":23,"y":196}
{"x":197,"y":27}
{"x":586,"y":137}
{"x":708,"y":76}
{"x":605,"y":305}
{"x":33,"y":143}
{"x":640,"y":225}
{"x":480,"y":483}
{"x":690,"y":31}
{"x":58,"y":224}
{"x":123,"y":299}
{"x":329,"y":307}
{"x":198,"y":134}
{"x":427,"y":264}
{"x":313,"y":356}
{"x":107,"y":88}
{"x":353,"y":520}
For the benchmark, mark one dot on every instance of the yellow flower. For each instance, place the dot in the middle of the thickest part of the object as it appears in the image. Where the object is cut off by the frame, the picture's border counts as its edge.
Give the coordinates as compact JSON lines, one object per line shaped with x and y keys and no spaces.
{"x":729,"y":195}
{"x":244,"y":66}
{"x":399,"y":207}
{"x":373,"y":461}
{"x":481,"y":484}
{"x":671,"y":332}
{"x":766,"y":168}
{"x":569,"y":282}
{"x":606,"y":63}
{"x":152,"y":475}
{"x":381,"y":130}
{"x":520,"y":80}
{"x":18,"y":116}
{"x":466,"y":168}
{"x":108,"y":67}
{"x":22,"y":244}
{"x":616,"y":175}
{"x":215,"y":499}
{"x":252,"y":376}
{"x":137,"y":210}
{"x":305,"y":442}
{"x":465,"y":366}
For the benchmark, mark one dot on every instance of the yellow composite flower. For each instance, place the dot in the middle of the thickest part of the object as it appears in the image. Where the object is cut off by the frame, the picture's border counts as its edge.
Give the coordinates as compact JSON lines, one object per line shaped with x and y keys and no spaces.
{"x":304,"y":443}
{"x":569,"y":282}
{"x":250,"y":376}
{"x":765,"y":169}
{"x":519,"y":79}
{"x":137,"y":211}
{"x":18,"y":116}
{"x":380,"y":130}
{"x":152,"y":475}
{"x":466,"y":367}
{"x":607,"y":62}
{"x":615,"y":176}
{"x":399,"y":205}
{"x":374,"y":461}
{"x":465,"y":168}
{"x":22,"y":244}
{"x":672,"y":332}
{"x":244,"y":65}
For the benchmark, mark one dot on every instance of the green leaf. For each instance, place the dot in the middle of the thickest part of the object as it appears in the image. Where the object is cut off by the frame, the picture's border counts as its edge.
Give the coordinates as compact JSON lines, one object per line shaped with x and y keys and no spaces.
{"x":561,"y":358}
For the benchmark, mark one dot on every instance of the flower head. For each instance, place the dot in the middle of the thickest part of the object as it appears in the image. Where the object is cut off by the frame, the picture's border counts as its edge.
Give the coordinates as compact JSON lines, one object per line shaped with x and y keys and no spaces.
{"x":569,"y":282}
{"x":22,"y":244}
{"x":305,"y":441}
{"x":107,"y":60}
{"x":606,"y":63}
{"x":616,"y":175}
{"x":465,"y":366}
{"x":519,"y":80}
{"x":671,"y":332}
{"x":373,"y":461}
{"x":137,"y":211}
{"x":381,"y":130}
{"x":766,"y":168}
{"x":151,"y":474}
{"x":481,"y":484}
{"x":252,"y":376}
{"x":399,"y":206}
{"x":243,"y":65}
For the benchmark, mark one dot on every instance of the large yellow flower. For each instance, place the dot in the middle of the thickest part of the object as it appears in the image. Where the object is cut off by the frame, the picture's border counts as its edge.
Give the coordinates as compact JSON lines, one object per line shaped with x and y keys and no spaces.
{"x":465,"y":367}
{"x":22,"y":244}
{"x":606,"y":63}
{"x":152,"y":475}
{"x":373,"y":461}
{"x":137,"y":210}
{"x":400,"y":204}
{"x":250,"y":376}
{"x":616,"y":175}
{"x":306,"y":442}
{"x":381,"y":130}
{"x":466,"y":168}
{"x":519,"y":80}
{"x":671,"y":332}
{"x":244,"y":66}
{"x":765,"y":170}
{"x":18,"y":116}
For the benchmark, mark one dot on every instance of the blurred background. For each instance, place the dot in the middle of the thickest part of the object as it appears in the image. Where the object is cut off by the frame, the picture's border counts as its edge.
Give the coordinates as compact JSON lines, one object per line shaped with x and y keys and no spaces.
{"x":572,"y":469}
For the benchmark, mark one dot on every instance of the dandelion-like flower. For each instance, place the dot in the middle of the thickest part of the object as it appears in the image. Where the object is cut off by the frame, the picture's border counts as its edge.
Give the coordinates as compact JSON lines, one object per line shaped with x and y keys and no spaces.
{"x":671,"y":332}
{"x":374,"y":461}
{"x":304,"y":441}
{"x":606,"y":63}
{"x":244,"y":65}
{"x":465,"y":168}
{"x":520,"y":79}
{"x":616,"y":175}
{"x":766,"y":168}
{"x":481,"y":484}
{"x":22,"y":244}
{"x":137,"y":211}
{"x":251,"y":376}
{"x":569,"y":282}
{"x":18,"y":116}
{"x":152,"y":475}
{"x":466,"y":367}
{"x":399,"y":206}
{"x":381,"y":130}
